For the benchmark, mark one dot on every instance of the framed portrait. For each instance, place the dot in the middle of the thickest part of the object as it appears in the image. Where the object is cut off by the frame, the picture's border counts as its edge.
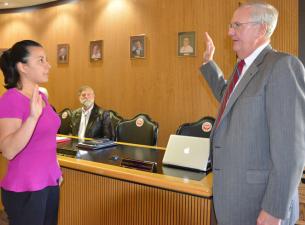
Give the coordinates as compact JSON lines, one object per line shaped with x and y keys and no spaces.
{"x":96,"y":50}
{"x":186,"y":43}
{"x":63,"y":53}
{"x":137,"y":47}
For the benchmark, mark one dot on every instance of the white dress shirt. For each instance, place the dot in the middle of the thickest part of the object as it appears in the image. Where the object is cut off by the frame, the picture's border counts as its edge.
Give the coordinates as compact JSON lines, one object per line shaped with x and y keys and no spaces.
{"x":84,"y":121}
{"x":249,"y":60}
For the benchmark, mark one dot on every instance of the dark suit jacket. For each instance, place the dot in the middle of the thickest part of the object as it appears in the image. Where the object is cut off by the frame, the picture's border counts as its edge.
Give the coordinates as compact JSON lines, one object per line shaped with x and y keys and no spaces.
{"x":134,"y":52}
{"x":99,"y":124}
{"x":259,"y":146}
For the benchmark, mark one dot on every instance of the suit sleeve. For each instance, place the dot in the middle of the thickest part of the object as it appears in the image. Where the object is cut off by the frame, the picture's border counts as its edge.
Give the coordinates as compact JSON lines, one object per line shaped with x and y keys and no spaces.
{"x":215,"y":79}
{"x":108,"y":129}
{"x":285,"y":110}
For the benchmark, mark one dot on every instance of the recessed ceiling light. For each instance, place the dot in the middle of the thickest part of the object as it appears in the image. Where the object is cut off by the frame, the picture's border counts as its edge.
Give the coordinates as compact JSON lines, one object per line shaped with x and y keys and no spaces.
{"x":6,"y":3}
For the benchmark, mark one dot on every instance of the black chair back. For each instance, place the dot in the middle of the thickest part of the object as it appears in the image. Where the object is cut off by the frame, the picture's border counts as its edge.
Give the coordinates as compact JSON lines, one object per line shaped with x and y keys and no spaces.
{"x":200,"y":128}
{"x":139,"y":130}
{"x":65,"y":117}
{"x":115,"y":119}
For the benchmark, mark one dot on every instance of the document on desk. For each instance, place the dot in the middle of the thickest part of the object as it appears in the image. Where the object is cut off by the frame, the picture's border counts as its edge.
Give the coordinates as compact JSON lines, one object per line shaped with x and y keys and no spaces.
{"x":96,"y":144}
{"x":60,"y":139}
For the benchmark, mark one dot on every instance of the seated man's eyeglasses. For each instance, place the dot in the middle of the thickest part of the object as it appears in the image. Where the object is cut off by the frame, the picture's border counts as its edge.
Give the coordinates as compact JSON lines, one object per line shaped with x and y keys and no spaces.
{"x":237,"y":25}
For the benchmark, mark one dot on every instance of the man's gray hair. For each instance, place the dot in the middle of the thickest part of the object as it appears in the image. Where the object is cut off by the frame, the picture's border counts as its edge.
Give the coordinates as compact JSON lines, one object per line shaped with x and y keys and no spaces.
{"x":84,"y":87}
{"x":263,"y":13}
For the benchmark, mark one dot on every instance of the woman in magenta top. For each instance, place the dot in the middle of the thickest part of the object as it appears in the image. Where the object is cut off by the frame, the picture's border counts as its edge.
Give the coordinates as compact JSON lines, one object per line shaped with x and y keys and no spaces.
{"x":28,"y":127}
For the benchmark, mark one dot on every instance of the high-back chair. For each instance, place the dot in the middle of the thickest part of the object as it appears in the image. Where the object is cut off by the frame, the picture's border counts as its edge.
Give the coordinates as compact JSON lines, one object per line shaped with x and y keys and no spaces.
{"x":115,"y":119}
{"x":200,"y":128}
{"x":139,"y":130}
{"x":65,"y":117}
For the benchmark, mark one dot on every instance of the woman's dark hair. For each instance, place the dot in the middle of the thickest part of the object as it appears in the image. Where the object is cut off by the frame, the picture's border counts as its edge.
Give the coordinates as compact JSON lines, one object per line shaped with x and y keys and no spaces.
{"x":9,"y":59}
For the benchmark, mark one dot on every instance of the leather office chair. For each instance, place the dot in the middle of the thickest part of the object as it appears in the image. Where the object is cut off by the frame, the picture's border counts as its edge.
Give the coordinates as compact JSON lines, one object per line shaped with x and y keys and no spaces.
{"x":115,"y":119}
{"x":139,"y":130}
{"x":65,"y":117}
{"x":200,"y":128}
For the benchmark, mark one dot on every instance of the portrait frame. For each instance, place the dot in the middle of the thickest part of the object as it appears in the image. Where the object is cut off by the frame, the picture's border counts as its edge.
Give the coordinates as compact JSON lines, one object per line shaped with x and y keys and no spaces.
{"x":138,"y":46}
{"x":186,"y":43}
{"x":96,"y":50}
{"x":62,"y":55}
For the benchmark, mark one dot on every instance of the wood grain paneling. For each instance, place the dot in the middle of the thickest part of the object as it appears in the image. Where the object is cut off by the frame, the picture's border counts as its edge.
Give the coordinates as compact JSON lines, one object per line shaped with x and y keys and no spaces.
{"x":167,"y":87}
{"x":92,"y":199}
{"x":3,"y":165}
{"x":301,"y":32}
{"x":302,"y":203}
{"x":201,"y":188}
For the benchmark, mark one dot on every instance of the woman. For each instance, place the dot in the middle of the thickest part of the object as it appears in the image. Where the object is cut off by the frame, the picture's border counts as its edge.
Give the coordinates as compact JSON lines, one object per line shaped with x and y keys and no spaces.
{"x":28,"y":126}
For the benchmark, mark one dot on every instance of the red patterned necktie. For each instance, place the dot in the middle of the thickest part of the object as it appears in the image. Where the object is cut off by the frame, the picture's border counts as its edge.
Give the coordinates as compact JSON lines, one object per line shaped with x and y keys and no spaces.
{"x":229,"y":89}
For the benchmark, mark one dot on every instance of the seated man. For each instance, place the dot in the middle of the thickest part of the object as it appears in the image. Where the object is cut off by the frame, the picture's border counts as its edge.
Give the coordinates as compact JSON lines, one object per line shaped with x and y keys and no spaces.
{"x":90,"y":120}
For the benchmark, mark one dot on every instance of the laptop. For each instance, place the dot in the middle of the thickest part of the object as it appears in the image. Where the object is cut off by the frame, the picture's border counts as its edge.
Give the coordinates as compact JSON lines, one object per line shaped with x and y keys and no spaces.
{"x":189,"y":174}
{"x":188,"y":152}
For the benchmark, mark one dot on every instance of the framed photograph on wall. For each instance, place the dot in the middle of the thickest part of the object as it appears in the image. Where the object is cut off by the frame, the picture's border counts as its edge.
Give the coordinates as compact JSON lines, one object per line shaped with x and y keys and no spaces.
{"x":186,"y":43}
{"x":63,"y":53}
{"x":96,"y":50}
{"x":137,"y":46}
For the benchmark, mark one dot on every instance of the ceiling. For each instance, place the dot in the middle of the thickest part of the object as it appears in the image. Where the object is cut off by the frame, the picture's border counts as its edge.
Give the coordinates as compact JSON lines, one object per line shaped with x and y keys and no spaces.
{"x":21,"y":3}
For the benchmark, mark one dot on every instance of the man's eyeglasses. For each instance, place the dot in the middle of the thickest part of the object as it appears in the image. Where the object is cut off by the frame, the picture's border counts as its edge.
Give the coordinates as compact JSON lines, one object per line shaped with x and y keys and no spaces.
{"x":237,"y":25}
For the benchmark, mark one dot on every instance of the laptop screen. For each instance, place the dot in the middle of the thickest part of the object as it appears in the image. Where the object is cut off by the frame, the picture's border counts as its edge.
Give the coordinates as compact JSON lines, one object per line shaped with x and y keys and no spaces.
{"x":188,"y":152}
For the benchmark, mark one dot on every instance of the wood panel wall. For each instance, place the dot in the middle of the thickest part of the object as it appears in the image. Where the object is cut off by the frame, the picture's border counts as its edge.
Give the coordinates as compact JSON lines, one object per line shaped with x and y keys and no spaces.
{"x":167,"y":87}
{"x":302,"y":30}
{"x":91,"y":199}
{"x":3,"y":166}
{"x":301,"y":220}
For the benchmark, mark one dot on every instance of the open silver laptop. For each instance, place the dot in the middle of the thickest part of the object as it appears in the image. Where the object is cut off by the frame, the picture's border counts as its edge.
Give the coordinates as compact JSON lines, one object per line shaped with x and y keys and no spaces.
{"x":188,"y":152}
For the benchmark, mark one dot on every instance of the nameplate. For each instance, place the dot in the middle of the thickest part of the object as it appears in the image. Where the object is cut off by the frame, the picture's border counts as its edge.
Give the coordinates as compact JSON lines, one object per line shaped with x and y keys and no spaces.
{"x":147,"y":166}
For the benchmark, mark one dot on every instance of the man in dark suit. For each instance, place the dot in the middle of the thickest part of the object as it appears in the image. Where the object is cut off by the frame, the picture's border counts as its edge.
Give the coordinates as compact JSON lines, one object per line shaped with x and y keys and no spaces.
{"x":90,"y":120}
{"x":62,"y":54}
{"x":257,"y":143}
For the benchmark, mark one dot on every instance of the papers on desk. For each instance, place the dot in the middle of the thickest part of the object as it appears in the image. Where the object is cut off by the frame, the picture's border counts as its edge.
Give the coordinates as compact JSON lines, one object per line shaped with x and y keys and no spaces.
{"x":60,"y":139}
{"x":96,"y":144}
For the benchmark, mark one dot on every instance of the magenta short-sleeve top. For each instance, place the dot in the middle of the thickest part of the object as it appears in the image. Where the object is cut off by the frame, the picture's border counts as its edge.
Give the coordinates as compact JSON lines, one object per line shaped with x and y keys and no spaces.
{"x":34,"y":167}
